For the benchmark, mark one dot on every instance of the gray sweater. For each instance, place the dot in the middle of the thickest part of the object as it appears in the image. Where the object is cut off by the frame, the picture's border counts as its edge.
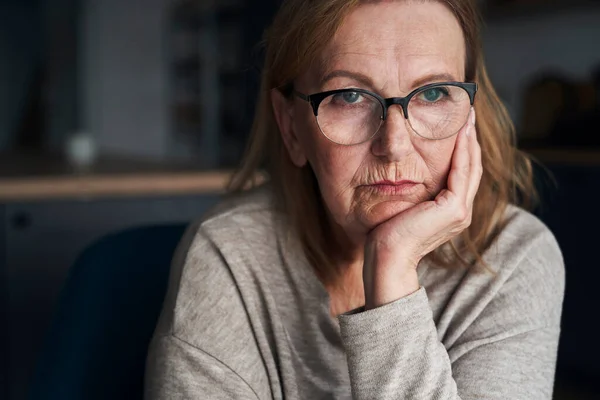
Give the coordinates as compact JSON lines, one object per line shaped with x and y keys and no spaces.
{"x":245,"y":317}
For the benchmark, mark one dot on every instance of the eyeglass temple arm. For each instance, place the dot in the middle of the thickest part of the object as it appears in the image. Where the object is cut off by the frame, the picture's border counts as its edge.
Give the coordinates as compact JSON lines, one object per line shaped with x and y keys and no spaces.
{"x":301,"y":95}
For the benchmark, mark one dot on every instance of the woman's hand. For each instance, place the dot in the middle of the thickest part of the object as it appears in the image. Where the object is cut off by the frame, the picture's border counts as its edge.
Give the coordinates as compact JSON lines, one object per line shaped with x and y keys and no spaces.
{"x":393,"y":249}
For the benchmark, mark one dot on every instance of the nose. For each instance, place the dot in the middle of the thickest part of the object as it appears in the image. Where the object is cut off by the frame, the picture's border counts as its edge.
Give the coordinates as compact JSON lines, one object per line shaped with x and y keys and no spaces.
{"x":394,"y":139}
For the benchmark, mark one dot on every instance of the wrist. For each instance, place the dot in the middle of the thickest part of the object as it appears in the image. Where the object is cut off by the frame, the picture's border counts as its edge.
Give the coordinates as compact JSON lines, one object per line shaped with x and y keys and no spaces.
{"x":384,"y":293}
{"x":387,"y":278}
{"x":385,"y":257}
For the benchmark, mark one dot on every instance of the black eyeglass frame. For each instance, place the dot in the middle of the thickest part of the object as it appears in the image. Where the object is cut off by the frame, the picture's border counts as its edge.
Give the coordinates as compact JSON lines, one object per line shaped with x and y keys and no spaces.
{"x":316,"y":99}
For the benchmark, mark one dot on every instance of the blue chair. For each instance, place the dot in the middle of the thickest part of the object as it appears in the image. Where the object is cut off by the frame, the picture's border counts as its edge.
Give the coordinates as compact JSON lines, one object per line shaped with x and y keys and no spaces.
{"x":96,"y":346}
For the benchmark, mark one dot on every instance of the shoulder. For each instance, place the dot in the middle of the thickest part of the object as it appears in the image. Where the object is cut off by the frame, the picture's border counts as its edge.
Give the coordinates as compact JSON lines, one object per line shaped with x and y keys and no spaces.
{"x":525,"y":246}
{"x":221,"y":254}
{"x":232,"y":236}
{"x":527,"y":270}
{"x":520,"y":286}
{"x":241,"y":216}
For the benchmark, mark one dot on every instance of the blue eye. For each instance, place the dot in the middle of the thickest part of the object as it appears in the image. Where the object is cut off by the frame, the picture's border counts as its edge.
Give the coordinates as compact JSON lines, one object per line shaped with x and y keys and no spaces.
{"x":434,"y":94}
{"x":350,"y":97}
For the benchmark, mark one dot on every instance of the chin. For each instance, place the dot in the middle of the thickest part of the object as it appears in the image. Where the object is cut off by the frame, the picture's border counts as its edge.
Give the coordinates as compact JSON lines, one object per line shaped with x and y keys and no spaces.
{"x":379,"y":212}
{"x":373,"y":206}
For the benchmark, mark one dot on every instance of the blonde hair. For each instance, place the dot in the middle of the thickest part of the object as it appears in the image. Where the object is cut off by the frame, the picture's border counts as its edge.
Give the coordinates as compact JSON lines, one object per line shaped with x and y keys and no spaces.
{"x":293,"y":40}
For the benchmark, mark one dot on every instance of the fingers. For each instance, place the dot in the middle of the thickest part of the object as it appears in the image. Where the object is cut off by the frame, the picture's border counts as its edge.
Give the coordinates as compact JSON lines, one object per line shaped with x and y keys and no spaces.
{"x":459,"y":176}
{"x":476,"y":168}
{"x":464,"y":176}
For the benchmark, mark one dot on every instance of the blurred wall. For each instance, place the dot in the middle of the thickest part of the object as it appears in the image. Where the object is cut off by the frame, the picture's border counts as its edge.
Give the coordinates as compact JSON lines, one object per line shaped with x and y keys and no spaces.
{"x":520,"y":48}
{"x":19,"y":56}
{"x":61,"y":71}
{"x":123,"y":87}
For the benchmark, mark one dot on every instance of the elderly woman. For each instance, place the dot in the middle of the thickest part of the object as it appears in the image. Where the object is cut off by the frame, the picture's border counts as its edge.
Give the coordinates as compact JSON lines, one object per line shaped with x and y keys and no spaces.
{"x":385,"y":256}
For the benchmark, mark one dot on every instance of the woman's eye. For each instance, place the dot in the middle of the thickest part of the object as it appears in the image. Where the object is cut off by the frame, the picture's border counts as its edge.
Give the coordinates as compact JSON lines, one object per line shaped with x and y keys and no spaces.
{"x":432,"y":95}
{"x":349,"y":97}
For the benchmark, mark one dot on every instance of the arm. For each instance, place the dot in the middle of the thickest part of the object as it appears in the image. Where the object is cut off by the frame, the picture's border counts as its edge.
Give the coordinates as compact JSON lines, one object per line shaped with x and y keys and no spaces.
{"x":506,"y":346}
{"x":507,"y":352}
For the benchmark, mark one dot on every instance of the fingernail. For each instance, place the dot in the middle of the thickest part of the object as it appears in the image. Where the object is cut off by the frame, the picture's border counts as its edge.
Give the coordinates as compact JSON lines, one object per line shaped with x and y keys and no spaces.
{"x":473,"y":116}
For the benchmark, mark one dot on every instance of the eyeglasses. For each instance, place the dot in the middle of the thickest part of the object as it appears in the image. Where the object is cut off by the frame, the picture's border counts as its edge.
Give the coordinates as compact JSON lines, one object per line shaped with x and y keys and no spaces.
{"x":354,"y":116}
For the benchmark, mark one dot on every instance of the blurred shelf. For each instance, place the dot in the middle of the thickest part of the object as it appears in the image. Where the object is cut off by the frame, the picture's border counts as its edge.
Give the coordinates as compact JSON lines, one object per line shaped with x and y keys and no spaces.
{"x":35,"y":178}
{"x":568,"y":156}
{"x":38,"y":178}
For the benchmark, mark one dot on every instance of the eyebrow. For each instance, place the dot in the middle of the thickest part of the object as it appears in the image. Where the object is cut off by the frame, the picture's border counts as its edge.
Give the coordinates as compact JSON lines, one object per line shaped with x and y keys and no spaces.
{"x":342,"y":73}
{"x":365,"y":80}
{"x":432,"y":78}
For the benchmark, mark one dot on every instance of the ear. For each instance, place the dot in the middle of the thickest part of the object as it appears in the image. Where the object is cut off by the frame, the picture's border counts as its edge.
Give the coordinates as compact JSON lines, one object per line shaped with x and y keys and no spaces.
{"x":284,"y":115}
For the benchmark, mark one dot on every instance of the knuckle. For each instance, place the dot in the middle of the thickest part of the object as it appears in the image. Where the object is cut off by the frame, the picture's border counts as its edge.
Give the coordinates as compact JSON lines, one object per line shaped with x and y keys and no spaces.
{"x":468,"y":220}
{"x":461,"y":213}
{"x":451,"y":200}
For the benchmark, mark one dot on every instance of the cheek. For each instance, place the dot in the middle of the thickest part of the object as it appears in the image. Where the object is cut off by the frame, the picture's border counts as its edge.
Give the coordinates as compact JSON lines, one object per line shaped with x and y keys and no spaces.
{"x":334,"y":165}
{"x":338,"y":164}
{"x":438,"y":158}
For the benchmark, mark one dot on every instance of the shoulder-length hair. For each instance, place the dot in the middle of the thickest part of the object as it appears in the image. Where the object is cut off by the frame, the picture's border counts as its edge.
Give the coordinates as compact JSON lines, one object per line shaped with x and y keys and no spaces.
{"x":294,"y":40}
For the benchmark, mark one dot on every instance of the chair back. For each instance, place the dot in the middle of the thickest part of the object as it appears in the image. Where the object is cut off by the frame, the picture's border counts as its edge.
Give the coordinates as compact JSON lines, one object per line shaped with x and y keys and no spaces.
{"x":97,"y":343}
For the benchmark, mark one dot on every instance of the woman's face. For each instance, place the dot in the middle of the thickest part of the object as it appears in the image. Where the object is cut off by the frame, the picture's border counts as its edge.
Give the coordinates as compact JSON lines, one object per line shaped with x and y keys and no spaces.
{"x":390,"y":48}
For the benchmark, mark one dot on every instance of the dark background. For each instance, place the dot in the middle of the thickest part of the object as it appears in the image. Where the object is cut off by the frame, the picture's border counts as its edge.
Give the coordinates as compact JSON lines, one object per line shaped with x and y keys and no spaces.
{"x":173,"y":83}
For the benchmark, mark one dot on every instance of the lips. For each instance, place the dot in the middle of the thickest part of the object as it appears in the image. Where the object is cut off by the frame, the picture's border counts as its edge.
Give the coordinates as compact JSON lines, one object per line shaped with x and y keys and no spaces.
{"x":394,"y":183}
{"x":394,"y":188}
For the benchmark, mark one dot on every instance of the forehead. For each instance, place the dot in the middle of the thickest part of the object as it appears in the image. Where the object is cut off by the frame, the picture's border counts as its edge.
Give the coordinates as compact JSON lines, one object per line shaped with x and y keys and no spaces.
{"x":397,"y":42}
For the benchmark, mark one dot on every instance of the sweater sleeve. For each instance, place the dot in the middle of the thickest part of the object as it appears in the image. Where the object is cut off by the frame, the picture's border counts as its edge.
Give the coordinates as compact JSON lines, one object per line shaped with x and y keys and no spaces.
{"x":507,"y":351}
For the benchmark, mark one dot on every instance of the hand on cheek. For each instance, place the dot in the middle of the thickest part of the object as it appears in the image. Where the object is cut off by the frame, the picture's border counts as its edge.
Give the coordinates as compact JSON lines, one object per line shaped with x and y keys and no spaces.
{"x":394,"y":248}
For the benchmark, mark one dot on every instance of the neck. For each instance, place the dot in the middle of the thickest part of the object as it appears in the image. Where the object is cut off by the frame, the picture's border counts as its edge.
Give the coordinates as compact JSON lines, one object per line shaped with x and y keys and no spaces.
{"x":347,"y":249}
{"x":348,"y":258}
